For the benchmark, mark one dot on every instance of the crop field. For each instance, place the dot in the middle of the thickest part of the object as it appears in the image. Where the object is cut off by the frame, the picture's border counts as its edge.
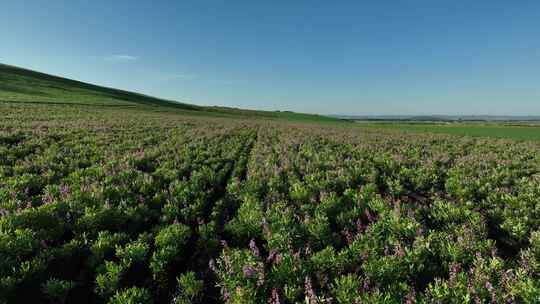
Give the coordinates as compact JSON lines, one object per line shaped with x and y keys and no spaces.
{"x":518,"y":131}
{"x":107,"y":205}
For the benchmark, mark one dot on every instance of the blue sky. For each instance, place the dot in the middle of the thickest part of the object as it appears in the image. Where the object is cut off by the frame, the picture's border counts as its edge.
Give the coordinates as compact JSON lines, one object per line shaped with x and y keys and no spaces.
{"x":330,"y":57}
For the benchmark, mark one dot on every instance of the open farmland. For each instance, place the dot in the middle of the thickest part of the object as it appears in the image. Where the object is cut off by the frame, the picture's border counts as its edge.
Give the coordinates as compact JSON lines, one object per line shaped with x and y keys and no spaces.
{"x":131,"y":205}
{"x":513,"y":130}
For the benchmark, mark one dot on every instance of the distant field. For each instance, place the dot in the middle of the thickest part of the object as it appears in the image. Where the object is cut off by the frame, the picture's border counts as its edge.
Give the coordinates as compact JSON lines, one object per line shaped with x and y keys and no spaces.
{"x":498,"y":130}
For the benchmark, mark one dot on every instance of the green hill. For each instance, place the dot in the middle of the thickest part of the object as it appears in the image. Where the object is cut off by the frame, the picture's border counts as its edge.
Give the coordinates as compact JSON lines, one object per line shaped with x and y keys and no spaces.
{"x":23,"y":85}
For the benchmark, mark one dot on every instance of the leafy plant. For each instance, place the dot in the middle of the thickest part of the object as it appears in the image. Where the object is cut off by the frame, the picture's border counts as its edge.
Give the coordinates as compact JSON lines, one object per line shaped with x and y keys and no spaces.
{"x":57,"y":290}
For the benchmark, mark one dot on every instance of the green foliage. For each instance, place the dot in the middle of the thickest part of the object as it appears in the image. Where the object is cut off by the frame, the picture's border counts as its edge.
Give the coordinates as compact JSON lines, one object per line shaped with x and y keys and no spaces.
{"x":57,"y":290}
{"x":96,"y":219}
{"x":170,"y":245}
{"x":326,"y":262}
{"x":190,"y":288}
{"x":108,"y":280}
{"x":240,"y":274}
{"x":135,"y":252}
{"x":15,"y":246}
{"x":319,"y":230}
{"x":133,"y":295}
{"x":495,"y":130}
{"x":29,"y":86}
{"x":346,"y":289}
{"x":100,"y":205}
{"x":248,"y":221}
{"x":104,"y":246}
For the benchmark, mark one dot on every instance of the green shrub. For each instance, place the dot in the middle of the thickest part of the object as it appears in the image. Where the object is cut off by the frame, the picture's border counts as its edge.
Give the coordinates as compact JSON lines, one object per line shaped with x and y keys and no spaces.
{"x":189,"y":288}
{"x":346,"y":289}
{"x":133,"y":295}
{"x":57,"y":290}
{"x":248,"y":222}
{"x":170,"y":245}
{"x":134,"y":252}
{"x":109,"y":279}
{"x":104,"y":246}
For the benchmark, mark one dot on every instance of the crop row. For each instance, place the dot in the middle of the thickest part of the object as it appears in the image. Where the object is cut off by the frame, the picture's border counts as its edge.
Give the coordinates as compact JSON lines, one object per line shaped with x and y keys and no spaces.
{"x":109,"y":206}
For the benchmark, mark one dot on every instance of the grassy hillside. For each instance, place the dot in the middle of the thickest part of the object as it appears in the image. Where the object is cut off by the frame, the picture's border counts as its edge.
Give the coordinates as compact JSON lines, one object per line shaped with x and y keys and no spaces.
{"x":23,"y":85}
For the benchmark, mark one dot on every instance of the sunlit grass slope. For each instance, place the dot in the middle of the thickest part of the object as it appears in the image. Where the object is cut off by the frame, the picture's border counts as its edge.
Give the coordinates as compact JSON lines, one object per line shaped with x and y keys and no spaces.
{"x":23,"y":85}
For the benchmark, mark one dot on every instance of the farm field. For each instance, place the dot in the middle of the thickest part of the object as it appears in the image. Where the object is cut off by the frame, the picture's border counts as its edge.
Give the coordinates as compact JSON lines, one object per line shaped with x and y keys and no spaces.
{"x":270,"y":152}
{"x":138,"y":205}
{"x":521,"y":131}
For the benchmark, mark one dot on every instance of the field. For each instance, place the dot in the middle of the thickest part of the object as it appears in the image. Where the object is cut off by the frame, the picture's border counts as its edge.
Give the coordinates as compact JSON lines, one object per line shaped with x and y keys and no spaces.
{"x":152,"y":205}
{"x":108,"y":196}
{"x":518,"y":131}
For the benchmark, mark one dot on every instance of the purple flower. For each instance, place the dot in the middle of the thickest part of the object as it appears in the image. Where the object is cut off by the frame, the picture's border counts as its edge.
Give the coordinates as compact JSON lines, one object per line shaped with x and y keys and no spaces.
{"x":411,"y":296}
{"x":525,"y":263}
{"x":365,"y":285}
{"x":348,"y":236}
{"x":308,"y":288}
{"x":492,"y":292}
{"x":64,"y":190}
{"x":399,"y":250}
{"x":226,"y":295}
{"x":260,"y":277}
{"x":271,"y":256}
{"x":254,"y":250}
{"x":249,"y":272}
{"x":360,"y":227}
{"x":48,"y":198}
{"x":454,"y":269}
{"x":469,"y":285}
{"x":370,"y":217}
{"x":275,"y":297}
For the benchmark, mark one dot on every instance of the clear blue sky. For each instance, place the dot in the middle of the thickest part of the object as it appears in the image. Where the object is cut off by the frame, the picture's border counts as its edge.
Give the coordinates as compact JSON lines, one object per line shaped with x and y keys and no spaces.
{"x":331,"y":57}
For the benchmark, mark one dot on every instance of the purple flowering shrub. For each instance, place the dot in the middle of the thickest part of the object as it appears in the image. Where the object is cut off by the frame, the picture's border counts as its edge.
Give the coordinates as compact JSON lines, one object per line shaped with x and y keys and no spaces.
{"x":130,"y":206}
